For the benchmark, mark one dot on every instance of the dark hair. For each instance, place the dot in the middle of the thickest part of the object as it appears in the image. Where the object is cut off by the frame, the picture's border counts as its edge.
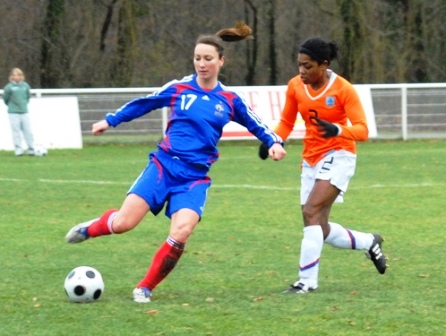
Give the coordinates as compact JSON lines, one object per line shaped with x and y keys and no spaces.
{"x":319,"y":50}
{"x":241,"y":31}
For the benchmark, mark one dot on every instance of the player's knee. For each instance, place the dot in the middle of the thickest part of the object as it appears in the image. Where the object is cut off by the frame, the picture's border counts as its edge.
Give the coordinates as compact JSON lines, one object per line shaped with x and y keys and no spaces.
{"x":123,"y":224}
{"x":182,"y":231}
{"x":310,"y":214}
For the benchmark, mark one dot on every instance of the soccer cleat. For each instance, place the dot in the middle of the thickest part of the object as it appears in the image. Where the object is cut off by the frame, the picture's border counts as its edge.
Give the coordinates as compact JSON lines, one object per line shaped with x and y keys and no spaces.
{"x":376,"y":255}
{"x":141,"y":295}
{"x":299,"y":288}
{"x":78,"y":233}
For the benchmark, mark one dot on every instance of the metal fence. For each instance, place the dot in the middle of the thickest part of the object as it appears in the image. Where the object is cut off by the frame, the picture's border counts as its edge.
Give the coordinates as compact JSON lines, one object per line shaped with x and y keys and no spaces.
{"x":410,"y":111}
{"x":94,"y":104}
{"x":402,"y":111}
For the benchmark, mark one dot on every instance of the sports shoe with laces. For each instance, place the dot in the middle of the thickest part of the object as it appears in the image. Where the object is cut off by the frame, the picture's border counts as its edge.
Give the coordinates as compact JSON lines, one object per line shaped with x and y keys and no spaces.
{"x":299,"y":288}
{"x":376,"y":255}
{"x":141,"y":295}
{"x":78,"y":233}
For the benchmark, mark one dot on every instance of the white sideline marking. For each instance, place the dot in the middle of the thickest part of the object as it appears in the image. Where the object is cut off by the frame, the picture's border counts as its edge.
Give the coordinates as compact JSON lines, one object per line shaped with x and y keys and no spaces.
{"x":249,"y":186}
{"x":81,"y":181}
{"x":12,"y":180}
{"x":225,"y":186}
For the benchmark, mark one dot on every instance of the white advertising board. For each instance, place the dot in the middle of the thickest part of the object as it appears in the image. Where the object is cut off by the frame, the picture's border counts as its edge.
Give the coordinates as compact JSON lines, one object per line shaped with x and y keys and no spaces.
{"x":268,"y":102}
{"x":55,"y":123}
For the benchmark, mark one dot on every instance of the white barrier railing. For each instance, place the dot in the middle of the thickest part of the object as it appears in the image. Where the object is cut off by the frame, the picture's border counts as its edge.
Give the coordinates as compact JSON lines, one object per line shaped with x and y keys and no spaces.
{"x":400,"y":111}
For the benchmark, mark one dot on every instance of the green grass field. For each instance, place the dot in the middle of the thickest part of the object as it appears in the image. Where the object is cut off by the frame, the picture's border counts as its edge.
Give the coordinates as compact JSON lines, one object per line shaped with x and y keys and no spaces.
{"x":242,"y":255}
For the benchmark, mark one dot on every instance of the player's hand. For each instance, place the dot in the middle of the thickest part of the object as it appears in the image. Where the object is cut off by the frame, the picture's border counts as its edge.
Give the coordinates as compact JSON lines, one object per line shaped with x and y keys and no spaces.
{"x":99,"y":127}
{"x":327,"y":129}
{"x":263,"y":151}
{"x":277,"y":152}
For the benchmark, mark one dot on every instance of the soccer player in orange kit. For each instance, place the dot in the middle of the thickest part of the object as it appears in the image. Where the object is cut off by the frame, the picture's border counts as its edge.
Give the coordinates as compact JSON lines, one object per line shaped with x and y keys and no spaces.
{"x":326,"y":102}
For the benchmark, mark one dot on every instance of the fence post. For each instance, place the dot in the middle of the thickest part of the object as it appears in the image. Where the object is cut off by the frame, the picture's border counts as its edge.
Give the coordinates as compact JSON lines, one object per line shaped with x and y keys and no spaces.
{"x":404,"y":111}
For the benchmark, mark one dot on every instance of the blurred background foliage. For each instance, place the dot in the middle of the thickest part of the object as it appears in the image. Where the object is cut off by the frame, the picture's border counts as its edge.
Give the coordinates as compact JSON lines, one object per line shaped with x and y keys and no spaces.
{"x":145,"y":43}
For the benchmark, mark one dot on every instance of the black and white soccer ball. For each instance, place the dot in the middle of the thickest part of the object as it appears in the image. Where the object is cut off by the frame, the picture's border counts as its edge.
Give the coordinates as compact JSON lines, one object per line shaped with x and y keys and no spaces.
{"x":84,"y":284}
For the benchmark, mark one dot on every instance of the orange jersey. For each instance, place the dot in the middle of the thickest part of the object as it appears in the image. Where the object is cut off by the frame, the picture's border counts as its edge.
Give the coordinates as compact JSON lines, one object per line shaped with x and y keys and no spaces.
{"x":337,"y":102}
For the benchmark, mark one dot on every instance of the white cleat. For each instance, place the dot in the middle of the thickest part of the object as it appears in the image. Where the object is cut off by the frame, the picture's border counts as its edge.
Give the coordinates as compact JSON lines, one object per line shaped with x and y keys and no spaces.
{"x":141,"y":295}
{"x":78,"y":233}
{"x":299,"y":288}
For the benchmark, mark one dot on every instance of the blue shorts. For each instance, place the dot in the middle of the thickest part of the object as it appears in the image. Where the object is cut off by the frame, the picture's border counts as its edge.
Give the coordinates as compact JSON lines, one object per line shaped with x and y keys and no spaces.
{"x":168,"y":180}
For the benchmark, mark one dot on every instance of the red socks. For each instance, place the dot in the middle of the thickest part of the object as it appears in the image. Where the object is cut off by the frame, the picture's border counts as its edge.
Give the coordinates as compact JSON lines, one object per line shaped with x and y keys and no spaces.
{"x":163,"y":263}
{"x":103,"y":225}
{"x":164,"y":260}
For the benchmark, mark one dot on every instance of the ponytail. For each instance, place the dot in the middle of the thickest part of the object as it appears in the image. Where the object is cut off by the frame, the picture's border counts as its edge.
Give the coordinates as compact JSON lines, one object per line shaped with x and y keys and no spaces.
{"x":241,"y":31}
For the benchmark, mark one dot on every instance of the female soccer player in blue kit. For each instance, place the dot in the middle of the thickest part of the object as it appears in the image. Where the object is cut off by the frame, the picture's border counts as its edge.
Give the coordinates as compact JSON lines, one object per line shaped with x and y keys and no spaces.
{"x":176,"y":174}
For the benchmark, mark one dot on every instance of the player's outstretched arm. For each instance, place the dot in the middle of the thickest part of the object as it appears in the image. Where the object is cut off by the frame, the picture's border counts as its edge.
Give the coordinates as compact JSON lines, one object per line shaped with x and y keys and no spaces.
{"x":99,"y":127}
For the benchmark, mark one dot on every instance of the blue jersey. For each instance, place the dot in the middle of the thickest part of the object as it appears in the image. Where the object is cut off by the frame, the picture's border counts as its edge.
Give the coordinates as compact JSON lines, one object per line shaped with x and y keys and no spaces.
{"x":196,"y":119}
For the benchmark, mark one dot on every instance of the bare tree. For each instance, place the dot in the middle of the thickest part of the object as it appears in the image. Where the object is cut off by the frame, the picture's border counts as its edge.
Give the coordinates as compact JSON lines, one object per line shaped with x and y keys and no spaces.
{"x":271,"y":21}
{"x":107,"y":23}
{"x":51,"y":43}
{"x":114,"y":43}
{"x":127,"y":50}
{"x":353,"y":36}
{"x":251,"y":51}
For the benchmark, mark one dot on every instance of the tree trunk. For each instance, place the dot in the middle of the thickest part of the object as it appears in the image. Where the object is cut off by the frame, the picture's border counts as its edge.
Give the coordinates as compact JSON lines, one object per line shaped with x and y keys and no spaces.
{"x":51,"y":31}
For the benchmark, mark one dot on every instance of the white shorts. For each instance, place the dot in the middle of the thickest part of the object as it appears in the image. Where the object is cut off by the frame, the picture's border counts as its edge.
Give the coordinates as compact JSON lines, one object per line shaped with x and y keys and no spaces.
{"x":338,"y":167}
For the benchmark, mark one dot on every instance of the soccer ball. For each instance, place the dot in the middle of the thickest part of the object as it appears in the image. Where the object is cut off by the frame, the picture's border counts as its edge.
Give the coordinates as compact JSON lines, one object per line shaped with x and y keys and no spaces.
{"x":84,"y":284}
{"x":40,"y":151}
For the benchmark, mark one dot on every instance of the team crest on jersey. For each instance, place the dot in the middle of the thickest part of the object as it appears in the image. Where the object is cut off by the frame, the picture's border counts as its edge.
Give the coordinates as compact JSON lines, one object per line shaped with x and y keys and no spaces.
{"x":219,"y":110}
{"x":330,"y":101}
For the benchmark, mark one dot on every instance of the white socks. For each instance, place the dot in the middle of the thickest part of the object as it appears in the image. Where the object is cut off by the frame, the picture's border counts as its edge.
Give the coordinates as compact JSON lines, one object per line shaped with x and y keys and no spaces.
{"x":348,"y":239}
{"x":110,"y":221}
{"x":310,"y":252}
{"x":312,"y":243}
